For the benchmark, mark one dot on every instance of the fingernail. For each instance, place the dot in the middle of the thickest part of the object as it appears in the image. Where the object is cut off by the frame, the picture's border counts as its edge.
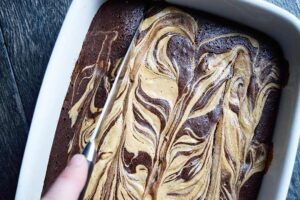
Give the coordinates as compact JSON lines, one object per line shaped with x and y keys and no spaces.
{"x":77,"y":161}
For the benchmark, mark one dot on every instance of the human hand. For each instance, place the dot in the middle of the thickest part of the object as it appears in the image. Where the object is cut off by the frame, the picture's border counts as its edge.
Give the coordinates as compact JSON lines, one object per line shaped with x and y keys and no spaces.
{"x":70,"y":182}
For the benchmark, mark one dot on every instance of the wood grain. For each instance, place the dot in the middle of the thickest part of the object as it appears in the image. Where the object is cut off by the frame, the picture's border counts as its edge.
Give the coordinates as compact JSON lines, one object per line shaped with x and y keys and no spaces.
{"x":13,"y":127}
{"x":293,"y":6}
{"x":28,"y":30}
{"x":294,"y":190}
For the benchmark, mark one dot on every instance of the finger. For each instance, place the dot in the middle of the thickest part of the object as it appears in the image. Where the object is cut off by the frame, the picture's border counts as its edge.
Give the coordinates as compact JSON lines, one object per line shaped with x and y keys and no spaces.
{"x":70,"y":182}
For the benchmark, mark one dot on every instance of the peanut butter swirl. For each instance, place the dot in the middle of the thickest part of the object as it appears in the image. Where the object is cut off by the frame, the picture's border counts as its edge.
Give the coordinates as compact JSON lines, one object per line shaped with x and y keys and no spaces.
{"x":183,"y":124}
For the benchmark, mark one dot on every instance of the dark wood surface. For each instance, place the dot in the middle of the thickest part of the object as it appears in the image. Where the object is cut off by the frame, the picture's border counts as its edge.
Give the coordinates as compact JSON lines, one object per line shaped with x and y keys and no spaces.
{"x":28,"y":30}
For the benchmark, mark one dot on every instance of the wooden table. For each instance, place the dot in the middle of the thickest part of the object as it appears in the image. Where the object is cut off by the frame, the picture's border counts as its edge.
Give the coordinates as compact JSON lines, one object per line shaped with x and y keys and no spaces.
{"x":28,"y":30}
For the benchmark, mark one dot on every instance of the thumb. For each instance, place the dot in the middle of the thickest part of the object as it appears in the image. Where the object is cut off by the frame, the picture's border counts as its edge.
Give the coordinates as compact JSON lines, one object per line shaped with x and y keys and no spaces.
{"x":70,"y":182}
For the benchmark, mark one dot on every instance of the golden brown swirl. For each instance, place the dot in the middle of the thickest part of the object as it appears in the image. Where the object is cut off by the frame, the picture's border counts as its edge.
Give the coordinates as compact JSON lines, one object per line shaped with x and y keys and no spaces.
{"x":92,"y":78}
{"x":183,"y":124}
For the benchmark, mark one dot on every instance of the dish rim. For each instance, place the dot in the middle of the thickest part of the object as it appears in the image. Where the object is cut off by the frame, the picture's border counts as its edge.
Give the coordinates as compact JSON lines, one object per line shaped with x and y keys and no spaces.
{"x":30,"y":148}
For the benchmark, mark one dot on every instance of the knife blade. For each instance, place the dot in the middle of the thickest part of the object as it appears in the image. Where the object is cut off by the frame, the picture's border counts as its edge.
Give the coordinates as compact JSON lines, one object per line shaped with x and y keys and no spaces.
{"x":90,"y":149}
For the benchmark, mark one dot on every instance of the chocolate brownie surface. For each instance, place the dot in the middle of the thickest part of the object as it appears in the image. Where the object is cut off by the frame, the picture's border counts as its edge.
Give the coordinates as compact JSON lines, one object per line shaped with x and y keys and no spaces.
{"x":106,"y":43}
{"x":194,"y":116}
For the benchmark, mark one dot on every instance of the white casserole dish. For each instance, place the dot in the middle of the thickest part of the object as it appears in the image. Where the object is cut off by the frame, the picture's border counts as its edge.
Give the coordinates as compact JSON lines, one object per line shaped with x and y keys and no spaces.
{"x":276,"y":22}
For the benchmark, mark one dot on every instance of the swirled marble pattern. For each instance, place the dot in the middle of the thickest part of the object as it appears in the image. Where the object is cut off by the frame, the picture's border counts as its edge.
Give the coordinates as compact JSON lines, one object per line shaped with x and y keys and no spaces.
{"x":187,"y":120}
{"x":182,"y":126}
{"x":105,"y":44}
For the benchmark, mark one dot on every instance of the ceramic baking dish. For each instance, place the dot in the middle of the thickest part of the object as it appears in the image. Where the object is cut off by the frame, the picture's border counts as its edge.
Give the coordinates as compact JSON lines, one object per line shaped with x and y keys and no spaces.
{"x":258,"y":14}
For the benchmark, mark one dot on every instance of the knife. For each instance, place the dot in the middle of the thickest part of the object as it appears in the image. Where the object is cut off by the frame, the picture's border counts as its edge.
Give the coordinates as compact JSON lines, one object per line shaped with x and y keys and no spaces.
{"x":90,"y":149}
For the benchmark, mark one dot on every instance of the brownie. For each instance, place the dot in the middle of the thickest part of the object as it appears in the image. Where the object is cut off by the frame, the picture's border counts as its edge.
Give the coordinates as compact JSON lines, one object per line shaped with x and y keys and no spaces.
{"x":106,"y":43}
{"x":195,"y":113}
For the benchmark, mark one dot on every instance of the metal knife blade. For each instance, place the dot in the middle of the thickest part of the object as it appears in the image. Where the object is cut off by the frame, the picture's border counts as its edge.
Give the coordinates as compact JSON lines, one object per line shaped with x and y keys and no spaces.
{"x":114,"y":90}
{"x":90,"y":149}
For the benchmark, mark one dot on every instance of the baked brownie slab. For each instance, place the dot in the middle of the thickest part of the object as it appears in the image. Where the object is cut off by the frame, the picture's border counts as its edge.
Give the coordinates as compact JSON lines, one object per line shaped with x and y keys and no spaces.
{"x":194,"y":116}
